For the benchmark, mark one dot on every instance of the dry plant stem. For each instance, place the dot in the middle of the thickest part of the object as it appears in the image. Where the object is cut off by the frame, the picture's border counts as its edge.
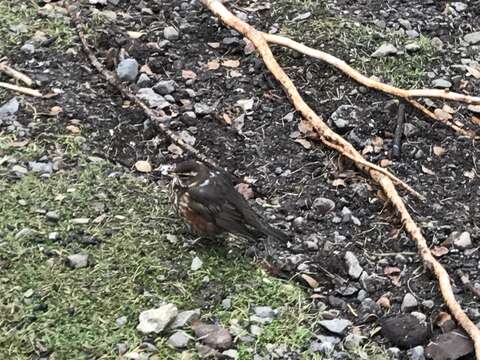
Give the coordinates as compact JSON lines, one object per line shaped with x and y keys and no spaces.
{"x":258,"y":39}
{"x":17,"y":75}
{"x":150,"y":113}
{"x":427,"y":112}
{"x":362,"y":79}
{"x":21,"y":89}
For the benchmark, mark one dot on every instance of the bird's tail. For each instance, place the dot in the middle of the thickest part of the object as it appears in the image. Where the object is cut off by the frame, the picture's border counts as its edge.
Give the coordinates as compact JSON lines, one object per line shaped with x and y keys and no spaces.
{"x":272,"y":232}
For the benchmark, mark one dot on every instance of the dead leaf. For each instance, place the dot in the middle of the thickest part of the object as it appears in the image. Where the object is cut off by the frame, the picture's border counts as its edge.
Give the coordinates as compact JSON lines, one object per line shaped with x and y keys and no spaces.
{"x":395,"y":280}
{"x":475,"y":120}
{"x":305,"y":143}
{"x":427,"y":171}
{"x":213,"y":65}
{"x":188,"y":74}
{"x":146,"y":69}
{"x":389,"y":270}
{"x":474,"y":108}
{"x":385,"y":162}
{"x":231,"y":63}
{"x":143,"y":166}
{"x":99,"y":219}
{"x":310,"y":281}
{"x":249,"y":47}
{"x":377,"y":141}
{"x":367,"y":149}
{"x":214,"y":45}
{"x":73,"y":129}
{"x":238,"y":122}
{"x":316,"y":296}
{"x":135,"y":34}
{"x":439,"y":251}
{"x":469,"y":174}
{"x":338,"y":182}
{"x":227,"y":119}
{"x":448,"y":109}
{"x":245,"y":104}
{"x":245,"y":190}
{"x":438,"y":150}
{"x":235,"y":74}
{"x":55,"y":110}
{"x":474,"y":71}
{"x":384,"y":302}
{"x":307,"y":129}
{"x":442,"y":115}
{"x":442,"y":318}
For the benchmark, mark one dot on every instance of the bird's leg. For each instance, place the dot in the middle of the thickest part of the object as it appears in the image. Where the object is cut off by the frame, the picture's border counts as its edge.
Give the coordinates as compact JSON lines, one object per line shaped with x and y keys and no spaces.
{"x":266,"y":245}
{"x":191,"y":243}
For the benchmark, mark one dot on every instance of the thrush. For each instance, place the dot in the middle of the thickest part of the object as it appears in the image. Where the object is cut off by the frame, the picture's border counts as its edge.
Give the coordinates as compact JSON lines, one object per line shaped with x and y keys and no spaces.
{"x":210,"y":204}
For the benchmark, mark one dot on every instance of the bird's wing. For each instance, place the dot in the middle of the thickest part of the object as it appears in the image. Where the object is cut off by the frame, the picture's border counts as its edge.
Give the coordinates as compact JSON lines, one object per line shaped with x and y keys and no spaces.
{"x":221,"y":202}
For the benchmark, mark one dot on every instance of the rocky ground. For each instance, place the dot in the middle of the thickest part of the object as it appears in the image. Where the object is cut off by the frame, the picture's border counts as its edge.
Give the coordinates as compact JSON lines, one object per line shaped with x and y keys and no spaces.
{"x":87,"y":242}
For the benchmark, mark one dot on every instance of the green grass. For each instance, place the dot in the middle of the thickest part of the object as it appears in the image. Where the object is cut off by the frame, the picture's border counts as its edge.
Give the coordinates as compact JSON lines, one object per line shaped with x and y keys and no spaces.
{"x":355,"y":42}
{"x":73,"y":312}
{"x":14,"y":13}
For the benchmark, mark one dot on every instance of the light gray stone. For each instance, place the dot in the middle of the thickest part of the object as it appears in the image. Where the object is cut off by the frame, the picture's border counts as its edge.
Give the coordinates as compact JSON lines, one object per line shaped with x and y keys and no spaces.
{"x":353,"y":266}
{"x":155,"y":320}
{"x":164,"y":87}
{"x":472,"y":38}
{"x":153,"y":99}
{"x":127,"y":70}
{"x":441,"y":83}
{"x":185,"y":318}
{"x":170,"y":33}
{"x":197,"y":264}
{"x":179,"y":340}
{"x":409,"y":302}
{"x":384,"y":50}
{"x":336,"y":326}
{"x":462,"y":241}
{"x":77,"y":261}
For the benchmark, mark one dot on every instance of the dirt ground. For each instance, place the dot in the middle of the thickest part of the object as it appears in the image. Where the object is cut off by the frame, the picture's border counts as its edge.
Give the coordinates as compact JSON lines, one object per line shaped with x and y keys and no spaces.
{"x":259,"y":142}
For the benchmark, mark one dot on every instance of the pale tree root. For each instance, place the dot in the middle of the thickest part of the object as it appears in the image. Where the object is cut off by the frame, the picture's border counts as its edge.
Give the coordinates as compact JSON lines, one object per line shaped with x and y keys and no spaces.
{"x":407,"y":95}
{"x":17,"y":75}
{"x":152,"y":114}
{"x":331,"y":139}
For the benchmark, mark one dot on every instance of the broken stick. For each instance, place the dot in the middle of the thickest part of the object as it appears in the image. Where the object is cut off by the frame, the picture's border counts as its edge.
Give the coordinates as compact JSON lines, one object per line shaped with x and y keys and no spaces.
{"x":397,"y":139}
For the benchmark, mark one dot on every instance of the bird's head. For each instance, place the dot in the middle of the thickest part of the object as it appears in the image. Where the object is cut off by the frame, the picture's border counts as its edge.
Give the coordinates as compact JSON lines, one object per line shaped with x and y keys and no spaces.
{"x":186,"y":173}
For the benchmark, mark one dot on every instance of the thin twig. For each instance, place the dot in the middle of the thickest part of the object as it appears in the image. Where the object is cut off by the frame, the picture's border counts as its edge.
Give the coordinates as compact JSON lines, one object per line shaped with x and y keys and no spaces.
{"x":17,"y":75}
{"x":21,"y":89}
{"x":397,"y":139}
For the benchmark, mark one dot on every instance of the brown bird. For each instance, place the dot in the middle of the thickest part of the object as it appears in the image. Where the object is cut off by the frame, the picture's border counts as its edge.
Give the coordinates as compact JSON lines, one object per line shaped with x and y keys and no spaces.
{"x":210,"y":204}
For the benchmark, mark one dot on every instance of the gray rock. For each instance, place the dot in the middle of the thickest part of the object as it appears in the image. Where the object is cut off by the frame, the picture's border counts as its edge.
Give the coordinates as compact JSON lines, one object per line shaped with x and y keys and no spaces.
{"x":472,"y":38}
{"x":41,"y":167}
{"x":437,"y":43}
{"x":52,"y":216}
{"x":170,"y":33}
{"x":428,"y":304}
{"x":213,"y":336}
{"x":264,"y":312}
{"x":409,"y":129}
{"x":362,"y":295}
{"x":122,"y":320}
{"x":441,"y":83}
{"x":24,"y":233}
{"x":231,"y":354}
{"x":328,"y":339}
{"x":127,"y":70}
{"x":9,"y":108}
{"x":155,"y":320}
{"x":202,"y":109}
{"x":54,"y":236}
{"x":144,"y":81}
{"x":384,"y":50}
{"x":324,"y":348}
{"x":77,"y":261}
{"x":80,"y":221}
{"x":185,"y":318}
{"x":19,"y":170}
{"x":179,"y":340}
{"x":412,"y":47}
{"x":459,"y":6}
{"x":405,"y":23}
{"x":260,"y":320}
{"x":353,"y":266}
{"x":409,"y":302}
{"x":352,"y":341}
{"x":122,"y":348}
{"x":153,"y":99}
{"x":227,"y":303}
{"x":452,"y":345}
{"x":336,"y":326}
{"x":417,"y":353}
{"x":323,"y":205}
{"x":420,"y":316}
{"x":165,"y":87}
{"x":28,"y":48}
{"x":256,"y":330}
{"x":345,"y":117}
{"x":462,"y":240}
{"x":412,"y":34}
{"x":394,"y":353}
{"x":197,"y":264}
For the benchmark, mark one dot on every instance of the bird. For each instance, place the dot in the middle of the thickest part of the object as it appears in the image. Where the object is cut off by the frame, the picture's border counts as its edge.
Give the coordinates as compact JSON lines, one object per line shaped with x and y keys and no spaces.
{"x":209,"y":203}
